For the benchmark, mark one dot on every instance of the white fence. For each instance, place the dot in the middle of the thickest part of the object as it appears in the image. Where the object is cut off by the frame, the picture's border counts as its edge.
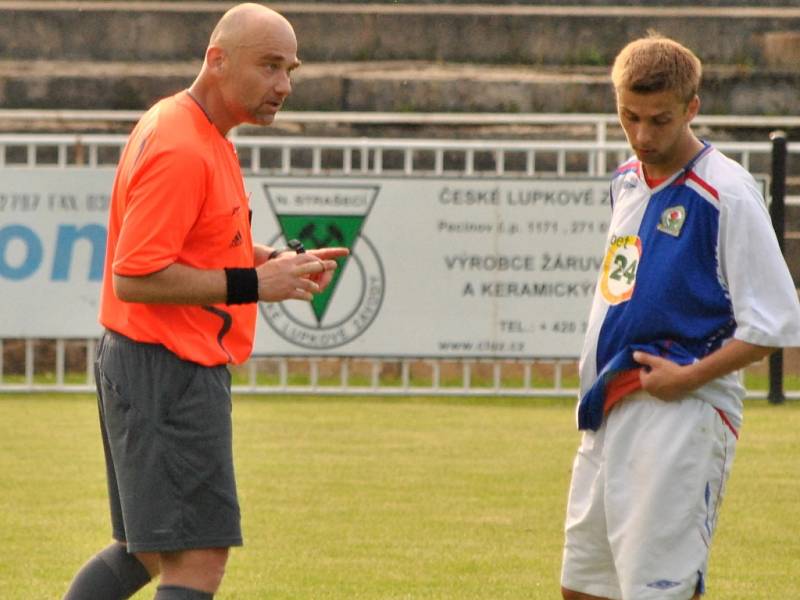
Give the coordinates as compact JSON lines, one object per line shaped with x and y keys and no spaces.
{"x":353,"y":157}
{"x":350,"y":156}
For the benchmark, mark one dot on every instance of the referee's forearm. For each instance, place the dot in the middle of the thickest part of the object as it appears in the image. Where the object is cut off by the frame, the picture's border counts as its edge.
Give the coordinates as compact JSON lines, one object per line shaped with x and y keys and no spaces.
{"x":176,"y":284}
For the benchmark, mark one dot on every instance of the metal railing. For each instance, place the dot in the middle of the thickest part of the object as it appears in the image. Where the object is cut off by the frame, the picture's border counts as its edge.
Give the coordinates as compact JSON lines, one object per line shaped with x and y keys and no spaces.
{"x":542,"y":378}
{"x":360,"y":156}
{"x":303,"y":376}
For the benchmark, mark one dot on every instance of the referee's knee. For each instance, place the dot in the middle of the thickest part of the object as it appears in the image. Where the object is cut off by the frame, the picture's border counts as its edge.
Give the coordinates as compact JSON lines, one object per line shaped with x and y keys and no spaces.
{"x":201,"y":569}
{"x":151,"y":562}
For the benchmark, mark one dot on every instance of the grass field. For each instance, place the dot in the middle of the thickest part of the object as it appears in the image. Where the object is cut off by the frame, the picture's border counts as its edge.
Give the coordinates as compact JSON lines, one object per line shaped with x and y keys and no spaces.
{"x":383,"y":499}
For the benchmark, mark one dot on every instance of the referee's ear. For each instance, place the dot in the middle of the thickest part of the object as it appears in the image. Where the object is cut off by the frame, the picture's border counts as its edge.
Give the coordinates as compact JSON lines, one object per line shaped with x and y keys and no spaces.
{"x":215,"y":59}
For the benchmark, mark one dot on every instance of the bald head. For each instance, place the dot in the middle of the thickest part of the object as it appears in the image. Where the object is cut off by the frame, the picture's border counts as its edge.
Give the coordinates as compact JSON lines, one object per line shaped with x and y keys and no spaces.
{"x":246,"y":74}
{"x":248,"y":24}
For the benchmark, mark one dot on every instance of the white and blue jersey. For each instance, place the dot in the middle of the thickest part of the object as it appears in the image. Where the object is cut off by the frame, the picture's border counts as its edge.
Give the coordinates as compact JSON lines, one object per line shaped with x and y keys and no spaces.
{"x":688,"y":265}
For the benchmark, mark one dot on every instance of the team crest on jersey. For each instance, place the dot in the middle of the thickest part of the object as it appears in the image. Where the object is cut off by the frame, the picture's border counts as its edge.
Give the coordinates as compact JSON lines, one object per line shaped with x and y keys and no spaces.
{"x":672,"y":220}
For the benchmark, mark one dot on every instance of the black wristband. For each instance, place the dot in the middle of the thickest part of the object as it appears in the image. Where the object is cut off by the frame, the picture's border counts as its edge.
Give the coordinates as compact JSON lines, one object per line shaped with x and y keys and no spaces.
{"x":242,"y":286}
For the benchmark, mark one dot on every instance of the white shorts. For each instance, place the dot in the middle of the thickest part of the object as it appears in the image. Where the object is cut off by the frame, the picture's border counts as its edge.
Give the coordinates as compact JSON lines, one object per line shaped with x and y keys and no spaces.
{"x":646,"y":490}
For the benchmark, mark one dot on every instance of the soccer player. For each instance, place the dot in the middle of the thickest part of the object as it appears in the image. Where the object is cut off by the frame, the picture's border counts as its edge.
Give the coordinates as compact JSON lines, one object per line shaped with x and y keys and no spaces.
{"x":180,"y":291}
{"x":693,"y":287}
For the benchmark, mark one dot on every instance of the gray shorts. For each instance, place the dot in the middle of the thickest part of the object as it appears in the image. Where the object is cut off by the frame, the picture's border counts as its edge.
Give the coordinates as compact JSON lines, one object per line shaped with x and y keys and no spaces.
{"x":166,"y":426}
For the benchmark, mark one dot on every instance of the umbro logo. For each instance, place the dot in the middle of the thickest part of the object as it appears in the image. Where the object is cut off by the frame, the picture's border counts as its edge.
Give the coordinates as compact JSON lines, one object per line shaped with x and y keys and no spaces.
{"x":663,"y":584}
{"x":237,"y":240}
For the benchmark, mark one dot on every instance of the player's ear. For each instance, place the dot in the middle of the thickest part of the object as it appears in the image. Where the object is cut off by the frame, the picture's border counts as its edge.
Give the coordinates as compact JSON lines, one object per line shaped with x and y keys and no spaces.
{"x":693,"y":107}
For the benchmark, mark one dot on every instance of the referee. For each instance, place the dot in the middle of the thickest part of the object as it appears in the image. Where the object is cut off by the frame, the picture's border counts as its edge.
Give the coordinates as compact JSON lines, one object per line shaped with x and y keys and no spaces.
{"x":181,"y":284}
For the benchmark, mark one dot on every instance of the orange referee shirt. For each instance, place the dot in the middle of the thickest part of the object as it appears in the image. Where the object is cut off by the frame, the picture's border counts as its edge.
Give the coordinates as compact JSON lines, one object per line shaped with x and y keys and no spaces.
{"x":178,"y":196}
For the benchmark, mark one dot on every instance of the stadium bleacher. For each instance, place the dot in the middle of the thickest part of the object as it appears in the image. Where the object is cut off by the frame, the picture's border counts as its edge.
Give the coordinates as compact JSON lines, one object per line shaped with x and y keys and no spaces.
{"x":500,"y":56}
{"x":389,"y":56}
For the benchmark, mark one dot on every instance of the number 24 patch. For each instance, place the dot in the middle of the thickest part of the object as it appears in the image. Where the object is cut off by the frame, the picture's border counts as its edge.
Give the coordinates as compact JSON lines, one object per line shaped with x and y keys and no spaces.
{"x":619,"y":268}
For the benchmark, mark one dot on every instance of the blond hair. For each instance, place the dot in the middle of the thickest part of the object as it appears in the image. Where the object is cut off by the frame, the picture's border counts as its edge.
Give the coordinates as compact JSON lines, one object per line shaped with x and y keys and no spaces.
{"x":655,"y":64}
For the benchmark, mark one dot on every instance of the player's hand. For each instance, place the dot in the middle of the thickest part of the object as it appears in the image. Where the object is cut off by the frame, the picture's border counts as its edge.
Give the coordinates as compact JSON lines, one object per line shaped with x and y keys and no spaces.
{"x":663,"y":378}
{"x":291,"y":277}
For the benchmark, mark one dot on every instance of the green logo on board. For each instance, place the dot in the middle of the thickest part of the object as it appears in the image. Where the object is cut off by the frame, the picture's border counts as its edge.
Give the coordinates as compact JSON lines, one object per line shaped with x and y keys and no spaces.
{"x":319,"y":231}
{"x":323,"y":216}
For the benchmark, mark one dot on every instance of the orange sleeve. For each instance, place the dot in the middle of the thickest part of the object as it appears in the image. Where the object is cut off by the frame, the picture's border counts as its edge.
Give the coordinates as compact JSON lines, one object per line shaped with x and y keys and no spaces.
{"x":165,"y":196}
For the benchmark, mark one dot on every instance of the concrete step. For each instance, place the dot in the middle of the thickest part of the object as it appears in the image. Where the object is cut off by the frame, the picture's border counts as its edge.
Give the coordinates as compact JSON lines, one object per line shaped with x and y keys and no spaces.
{"x":714,"y":3}
{"x":90,"y":85}
{"x":386,"y":86}
{"x":539,"y":35}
